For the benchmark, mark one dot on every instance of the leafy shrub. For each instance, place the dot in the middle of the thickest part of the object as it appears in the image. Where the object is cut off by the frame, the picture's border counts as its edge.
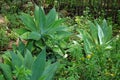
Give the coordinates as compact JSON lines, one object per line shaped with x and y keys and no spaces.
{"x":27,"y":67}
{"x":95,"y":58}
{"x":43,"y":30}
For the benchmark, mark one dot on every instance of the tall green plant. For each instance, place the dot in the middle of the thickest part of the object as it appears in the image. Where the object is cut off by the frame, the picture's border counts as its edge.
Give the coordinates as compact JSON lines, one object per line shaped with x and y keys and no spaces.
{"x":98,"y":39}
{"x":41,"y":27}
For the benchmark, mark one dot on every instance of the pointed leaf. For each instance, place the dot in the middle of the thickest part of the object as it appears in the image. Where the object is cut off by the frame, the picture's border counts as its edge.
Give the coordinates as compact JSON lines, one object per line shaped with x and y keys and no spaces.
{"x":52,"y":27}
{"x":107,"y":30}
{"x":94,"y":31}
{"x":38,"y":66}
{"x":51,"y":16}
{"x":34,"y":36}
{"x":20,"y":31}
{"x":28,"y":59}
{"x":28,"y":22}
{"x":25,"y":35}
{"x":31,"y":35}
{"x":16,"y":61}
{"x":100,"y":34}
{"x":6,"y":71}
{"x":50,"y":70}
{"x":42,"y":20}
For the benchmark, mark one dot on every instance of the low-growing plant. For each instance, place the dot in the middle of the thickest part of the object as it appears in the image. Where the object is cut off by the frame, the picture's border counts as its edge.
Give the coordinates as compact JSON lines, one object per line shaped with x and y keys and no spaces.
{"x":97,"y":60}
{"x":43,"y":30}
{"x":94,"y":57}
{"x":27,"y":67}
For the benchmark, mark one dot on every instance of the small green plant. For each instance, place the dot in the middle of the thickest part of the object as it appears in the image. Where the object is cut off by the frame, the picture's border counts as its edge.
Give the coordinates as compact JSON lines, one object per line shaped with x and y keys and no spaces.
{"x":98,"y":38}
{"x":97,"y":58}
{"x":27,"y":67}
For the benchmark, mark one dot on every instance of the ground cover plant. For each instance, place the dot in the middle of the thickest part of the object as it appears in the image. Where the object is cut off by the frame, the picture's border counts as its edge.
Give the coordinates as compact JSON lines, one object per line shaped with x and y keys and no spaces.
{"x":48,"y":47}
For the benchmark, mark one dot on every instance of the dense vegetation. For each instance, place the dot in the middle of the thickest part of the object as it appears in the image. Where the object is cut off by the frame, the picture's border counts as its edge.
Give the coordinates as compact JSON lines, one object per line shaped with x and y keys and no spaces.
{"x":38,"y":42}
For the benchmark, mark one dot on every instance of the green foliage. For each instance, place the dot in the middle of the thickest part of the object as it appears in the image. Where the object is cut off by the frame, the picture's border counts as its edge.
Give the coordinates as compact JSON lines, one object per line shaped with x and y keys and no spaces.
{"x":93,"y":56}
{"x":6,"y":71}
{"x":27,"y":67}
{"x":98,"y":39}
{"x":90,"y":53}
{"x":43,"y":30}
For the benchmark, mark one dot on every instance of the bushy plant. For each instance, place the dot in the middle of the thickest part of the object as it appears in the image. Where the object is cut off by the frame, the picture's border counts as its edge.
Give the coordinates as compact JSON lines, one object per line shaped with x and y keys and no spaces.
{"x":94,"y":58}
{"x":97,"y":62}
{"x":27,"y":67}
{"x":43,"y":30}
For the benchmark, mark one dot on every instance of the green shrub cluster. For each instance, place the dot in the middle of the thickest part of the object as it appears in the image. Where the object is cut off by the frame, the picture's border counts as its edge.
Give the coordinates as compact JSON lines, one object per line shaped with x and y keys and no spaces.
{"x":84,"y":50}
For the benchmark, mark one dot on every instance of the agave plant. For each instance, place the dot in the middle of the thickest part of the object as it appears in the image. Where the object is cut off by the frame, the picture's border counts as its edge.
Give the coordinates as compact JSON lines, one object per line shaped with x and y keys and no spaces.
{"x":98,"y":38}
{"x":42,"y":27}
{"x":18,"y":67}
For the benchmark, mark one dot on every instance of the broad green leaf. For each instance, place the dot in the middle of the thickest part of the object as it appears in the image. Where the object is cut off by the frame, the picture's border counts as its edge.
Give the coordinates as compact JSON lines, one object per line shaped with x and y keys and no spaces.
{"x":51,"y":16}
{"x":93,"y":31}
{"x":53,"y":27}
{"x":88,"y":43}
{"x":107,"y":30}
{"x":39,"y":65}
{"x":100,"y":34}
{"x":6,"y":71}
{"x":34,"y":36}
{"x":30,"y":46}
{"x":37,"y":16}
{"x":28,"y":61}
{"x":50,"y":70}
{"x":31,"y":35}
{"x":28,"y":22}
{"x":16,"y":61}
{"x":20,"y":31}
{"x":42,"y":20}
{"x":20,"y":57}
{"x":25,"y":35}
{"x":20,"y":47}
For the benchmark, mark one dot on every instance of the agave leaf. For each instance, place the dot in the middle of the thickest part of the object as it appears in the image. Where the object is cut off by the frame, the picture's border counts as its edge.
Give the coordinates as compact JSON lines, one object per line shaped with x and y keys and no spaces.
{"x":38,"y":65}
{"x":21,"y":47}
{"x":93,"y":30}
{"x":20,"y":31}
{"x":20,"y":56}
{"x":16,"y":61}
{"x":30,"y":46}
{"x":28,"y":22}
{"x":100,"y":34}
{"x":37,"y":16}
{"x":88,"y":44}
{"x":31,"y":35}
{"x":6,"y":71}
{"x":28,"y":61}
{"x":25,"y":35}
{"x":50,"y":70}
{"x":51,"y":16}
{"x":42,"y":20}
{"x":53,"y":27}
{"x":34,"y":36}
{"x":107,"y":30}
